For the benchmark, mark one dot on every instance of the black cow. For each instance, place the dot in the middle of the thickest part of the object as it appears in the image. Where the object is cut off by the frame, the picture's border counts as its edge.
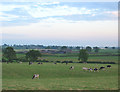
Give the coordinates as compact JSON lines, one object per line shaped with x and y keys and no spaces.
{"x":108,"y":66}
{"x":95,"y":69}
{"x":39,"y":63}
{"x":102,"y":68}
{"x":30,"y":63}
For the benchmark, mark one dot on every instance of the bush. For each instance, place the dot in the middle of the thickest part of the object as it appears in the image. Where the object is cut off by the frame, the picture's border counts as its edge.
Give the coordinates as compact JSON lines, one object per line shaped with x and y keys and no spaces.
{"x":57,"y":61}
{"x":70,"y":61}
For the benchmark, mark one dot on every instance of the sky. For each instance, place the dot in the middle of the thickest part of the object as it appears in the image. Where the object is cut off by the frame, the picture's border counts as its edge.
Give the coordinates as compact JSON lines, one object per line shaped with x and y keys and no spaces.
{"x":59,"y":23}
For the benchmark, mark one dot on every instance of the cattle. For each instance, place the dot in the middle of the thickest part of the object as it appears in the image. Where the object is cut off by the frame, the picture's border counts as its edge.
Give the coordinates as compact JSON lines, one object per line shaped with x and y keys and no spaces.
{"x":101,"y":68}
{"x":35,"y":76}
{"x":55,"y":63}
{"x":40,"y":63}
{"x":90,"y":69}
{"x":108,"y":66}
{"x":95,"y":69}
{"x":71,"y":68}
{"x":20,"y":62}
{"x":30,"y":63}
{"x":84,"y":68}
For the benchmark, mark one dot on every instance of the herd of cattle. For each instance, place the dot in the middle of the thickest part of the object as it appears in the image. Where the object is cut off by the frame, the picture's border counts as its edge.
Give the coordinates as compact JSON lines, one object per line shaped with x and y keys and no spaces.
{"x":92,"y":69}
{"x":72,"y":68}
{"x":84,"y":68}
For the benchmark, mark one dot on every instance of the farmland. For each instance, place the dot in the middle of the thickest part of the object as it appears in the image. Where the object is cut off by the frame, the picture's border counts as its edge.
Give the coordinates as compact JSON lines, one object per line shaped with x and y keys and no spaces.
{"x":58,"y":76}
{"x":108,"y":55}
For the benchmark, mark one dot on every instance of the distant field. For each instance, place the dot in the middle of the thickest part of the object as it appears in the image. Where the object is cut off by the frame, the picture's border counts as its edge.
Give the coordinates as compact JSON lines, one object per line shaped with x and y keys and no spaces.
{"x":58,"y":77}
{"x":75,"y":58}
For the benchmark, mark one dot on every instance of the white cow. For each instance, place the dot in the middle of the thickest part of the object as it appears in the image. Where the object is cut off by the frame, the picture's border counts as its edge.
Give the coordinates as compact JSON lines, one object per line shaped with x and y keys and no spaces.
{"x":20,"y":62}
{"x":72,"y":67}
{"x":90,"y":69}
{"x":84,"y":68}
{"x":35,"y":76}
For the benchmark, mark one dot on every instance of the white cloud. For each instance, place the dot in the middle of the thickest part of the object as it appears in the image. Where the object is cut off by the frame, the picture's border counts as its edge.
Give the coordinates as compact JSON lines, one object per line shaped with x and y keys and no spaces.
{"x":7,"y":17}
{"x":48,"y":3}
{"x":10,"y":7}
{"x":39,"y":12}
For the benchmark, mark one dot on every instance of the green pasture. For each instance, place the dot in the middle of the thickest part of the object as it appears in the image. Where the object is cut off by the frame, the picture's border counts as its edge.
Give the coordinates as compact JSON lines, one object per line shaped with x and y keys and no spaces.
{"x":58,"y":77}
{"x":93,"y":58}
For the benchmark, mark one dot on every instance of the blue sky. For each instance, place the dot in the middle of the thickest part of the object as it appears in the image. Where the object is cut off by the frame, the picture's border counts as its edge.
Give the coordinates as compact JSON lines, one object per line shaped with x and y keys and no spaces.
{"x":59,"y":23}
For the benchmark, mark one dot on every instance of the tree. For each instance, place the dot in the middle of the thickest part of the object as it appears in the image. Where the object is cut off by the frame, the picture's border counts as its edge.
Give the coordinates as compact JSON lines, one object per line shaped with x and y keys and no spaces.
{"x":96,"y":49}
{"x":88,"y":48}
{"x":32,"y":55}
{"x":113,"y":47}
{"x":106,"y":47}
{"x":83,"y":55}
{"x":78,"y":48}
{"x":63,"y":47}
{"x":71,"y":47}
{"x":48,"y":47}
{"x":9,"y":54}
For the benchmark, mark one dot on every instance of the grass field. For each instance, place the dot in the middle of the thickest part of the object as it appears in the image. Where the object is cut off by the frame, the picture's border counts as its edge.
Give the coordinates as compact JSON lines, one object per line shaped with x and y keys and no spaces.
{"x":58,"y":77}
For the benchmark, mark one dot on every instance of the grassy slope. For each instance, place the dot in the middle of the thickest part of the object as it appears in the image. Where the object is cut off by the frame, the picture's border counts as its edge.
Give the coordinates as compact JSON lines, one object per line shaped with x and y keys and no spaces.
{"x":55,"y":77}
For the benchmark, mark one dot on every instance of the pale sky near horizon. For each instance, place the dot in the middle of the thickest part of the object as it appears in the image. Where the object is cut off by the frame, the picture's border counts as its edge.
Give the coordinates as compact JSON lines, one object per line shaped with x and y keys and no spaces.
{"x":60,"y":23}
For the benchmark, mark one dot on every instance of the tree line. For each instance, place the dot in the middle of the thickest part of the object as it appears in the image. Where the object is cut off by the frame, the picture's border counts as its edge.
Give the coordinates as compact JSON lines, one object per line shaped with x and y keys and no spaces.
{"x":9,"y":55}
{"x":54,"y":47}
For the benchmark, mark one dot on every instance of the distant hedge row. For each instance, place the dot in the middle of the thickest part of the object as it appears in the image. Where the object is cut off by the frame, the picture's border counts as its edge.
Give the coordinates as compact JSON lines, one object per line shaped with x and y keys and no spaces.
{"x":94,"y":62}
{"x":97,"y":62}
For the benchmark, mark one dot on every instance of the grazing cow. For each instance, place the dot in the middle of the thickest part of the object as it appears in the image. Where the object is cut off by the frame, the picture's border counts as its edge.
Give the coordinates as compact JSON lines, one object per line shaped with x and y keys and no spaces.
{"x":35,"y":76}
{"x":101,"y":68}
{"x":108,"y":66}
{"x":55,"y":63}
{"x":39,"y":63}
{"x":84,"y":68}
{"x":95,"y":69}
{"x":20,"y":62}
{"x":90,"y":69}
{"x":71,"y":68}
{"x":30,"y":63}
